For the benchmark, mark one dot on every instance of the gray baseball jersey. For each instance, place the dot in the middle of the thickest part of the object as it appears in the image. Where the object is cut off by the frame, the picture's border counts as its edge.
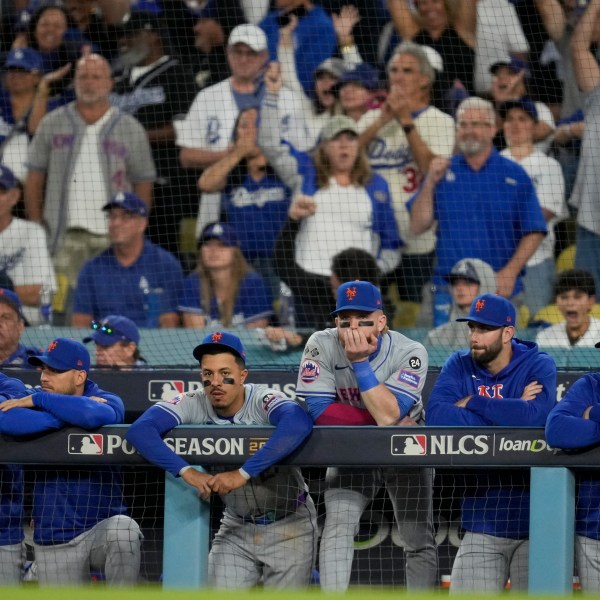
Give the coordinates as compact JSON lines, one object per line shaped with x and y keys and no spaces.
{"x":326,"y":374}
{"x":276,"y":491}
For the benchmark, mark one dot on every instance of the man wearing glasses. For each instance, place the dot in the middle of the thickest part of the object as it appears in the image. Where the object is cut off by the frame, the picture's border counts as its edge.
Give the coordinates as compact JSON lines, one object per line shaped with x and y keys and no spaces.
{"x":134,"y":277}
{"x":361,"y":373}
{"x":79,"y":515}
{"x":117,"y":341}
{"x":480,"y":192}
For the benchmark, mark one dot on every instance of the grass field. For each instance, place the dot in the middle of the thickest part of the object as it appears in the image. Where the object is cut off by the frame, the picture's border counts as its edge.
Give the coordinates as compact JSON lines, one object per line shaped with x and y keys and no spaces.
{"x":156,"y":593}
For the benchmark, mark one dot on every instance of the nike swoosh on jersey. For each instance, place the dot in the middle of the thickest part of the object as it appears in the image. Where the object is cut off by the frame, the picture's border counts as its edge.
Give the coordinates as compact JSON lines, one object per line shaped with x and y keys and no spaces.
{"x":340,"y":367}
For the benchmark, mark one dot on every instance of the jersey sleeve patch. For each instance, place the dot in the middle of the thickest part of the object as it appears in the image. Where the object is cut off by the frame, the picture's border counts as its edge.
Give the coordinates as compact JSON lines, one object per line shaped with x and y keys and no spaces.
{"x":409,"y":378}
{"x":309,"y":371}
{"x":176,"y":399}
{"x":272,"y":401}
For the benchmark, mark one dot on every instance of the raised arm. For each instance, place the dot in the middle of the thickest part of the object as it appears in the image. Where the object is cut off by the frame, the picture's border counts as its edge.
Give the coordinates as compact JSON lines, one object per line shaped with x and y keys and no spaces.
{"x":587,"y":71}
{"x":404,"y":20}
{"x":422,"y":208}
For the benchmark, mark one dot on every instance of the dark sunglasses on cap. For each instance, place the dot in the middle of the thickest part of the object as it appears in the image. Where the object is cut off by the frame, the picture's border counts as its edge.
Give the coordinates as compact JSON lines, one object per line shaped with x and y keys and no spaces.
{"x":105,"y":328}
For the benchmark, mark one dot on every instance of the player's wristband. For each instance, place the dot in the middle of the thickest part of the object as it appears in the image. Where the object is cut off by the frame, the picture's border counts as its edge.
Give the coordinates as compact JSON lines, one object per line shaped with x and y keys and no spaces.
{"x":364,"y":376}
{"x":184,"y":469}
{"x":243,"y":473}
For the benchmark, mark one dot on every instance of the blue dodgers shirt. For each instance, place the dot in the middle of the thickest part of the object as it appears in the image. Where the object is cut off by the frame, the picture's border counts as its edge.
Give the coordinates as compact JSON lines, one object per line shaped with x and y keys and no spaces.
{"x":105,"y":287}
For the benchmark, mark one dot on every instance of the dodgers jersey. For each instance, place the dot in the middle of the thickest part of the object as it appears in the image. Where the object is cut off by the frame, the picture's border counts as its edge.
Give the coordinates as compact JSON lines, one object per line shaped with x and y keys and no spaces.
{"x":326,"y":375}
{"x":277,"y":490}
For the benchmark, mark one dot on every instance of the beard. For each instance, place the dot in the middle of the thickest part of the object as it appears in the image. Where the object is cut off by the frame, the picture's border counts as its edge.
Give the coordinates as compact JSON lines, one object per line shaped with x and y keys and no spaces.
{"x":484,"y":355}
{"x":470,"y":147}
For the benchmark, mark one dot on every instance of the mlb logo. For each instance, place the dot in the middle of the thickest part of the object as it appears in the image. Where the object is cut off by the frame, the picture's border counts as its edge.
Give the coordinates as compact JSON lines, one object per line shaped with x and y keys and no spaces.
{"x":86,"y":443}
{"x":409,"y":445}
{"x":163,"y":390}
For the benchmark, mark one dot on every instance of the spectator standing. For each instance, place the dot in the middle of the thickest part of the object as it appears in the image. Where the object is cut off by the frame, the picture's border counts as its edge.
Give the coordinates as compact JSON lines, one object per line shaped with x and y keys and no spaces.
{"x":157,"y":90}
{"x":80,"y":516}
{"x":133,"y":277}
{"x":401,"y":138}
{"x":268,"y":532}
{"x":336,"y":180}
{"x":480,"y":191}
{"x":117,"y":340}
{"x":81,"y":155}
{"x":499,"y":382}
{"x":24,"y":254}
{"x":585,"y":196}
{"x":520,"y":117}
{"x":574,"y":424}
{"x":575,"y":296}
{"x":224,"y":290}
{"x":314,"y":38}
{"x":12,"y":324}
{"x":360,"y":373}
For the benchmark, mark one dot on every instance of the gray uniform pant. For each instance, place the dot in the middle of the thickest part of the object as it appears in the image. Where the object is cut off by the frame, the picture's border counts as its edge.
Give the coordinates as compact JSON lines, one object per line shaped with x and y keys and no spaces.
{"x":484,"y":563}
{"x":11,"y":564}
{"x":113,"y":546}
{"x":348,"y":494}
{"x":587,"y":559}
{"x":280,"y":554}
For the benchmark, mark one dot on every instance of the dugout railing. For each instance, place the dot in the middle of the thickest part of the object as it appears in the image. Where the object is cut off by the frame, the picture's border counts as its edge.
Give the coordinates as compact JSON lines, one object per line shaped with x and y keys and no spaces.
{"x":187,"y":519}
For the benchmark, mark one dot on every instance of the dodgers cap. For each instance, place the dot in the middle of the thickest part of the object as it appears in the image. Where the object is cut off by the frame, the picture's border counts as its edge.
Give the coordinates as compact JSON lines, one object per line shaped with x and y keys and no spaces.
{"x":112,"y":329}
{"x":364,"y":74}
{"x":27,"y":59}
{"x":526,"y":105}
{"x":358,"y":295}
{"x":334,"y":66}
{"x":463,"y":269}
{"x":516,"y":65}
{"x":128,"y":201}
{"x":228,"y":342}
{"x":63,"y":354}
{"x":219,"y":231}
{"x":492,"y":310}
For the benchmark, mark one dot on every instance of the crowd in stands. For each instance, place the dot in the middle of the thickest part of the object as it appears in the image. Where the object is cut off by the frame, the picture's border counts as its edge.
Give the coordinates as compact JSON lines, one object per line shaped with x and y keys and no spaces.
{"x":425,"y":133}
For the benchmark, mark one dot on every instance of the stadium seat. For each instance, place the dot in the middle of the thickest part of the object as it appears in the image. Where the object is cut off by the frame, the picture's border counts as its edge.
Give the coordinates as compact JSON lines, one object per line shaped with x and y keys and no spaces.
{"x":551,"y":314}
{"x":187,"y":235}
{"x":566,"y":259}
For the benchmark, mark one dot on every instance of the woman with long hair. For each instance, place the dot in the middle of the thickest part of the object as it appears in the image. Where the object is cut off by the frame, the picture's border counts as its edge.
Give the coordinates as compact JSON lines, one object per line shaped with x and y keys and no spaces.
{"x":224,"y":290}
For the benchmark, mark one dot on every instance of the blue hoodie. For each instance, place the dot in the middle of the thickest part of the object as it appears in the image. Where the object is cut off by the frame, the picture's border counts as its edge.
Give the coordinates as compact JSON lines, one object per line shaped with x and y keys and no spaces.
{"x":499,"y":504}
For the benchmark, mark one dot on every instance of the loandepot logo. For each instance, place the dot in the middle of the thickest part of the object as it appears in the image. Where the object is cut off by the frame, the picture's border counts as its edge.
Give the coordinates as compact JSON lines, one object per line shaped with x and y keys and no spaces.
{"x":90,"y":443}
{"x":505,"y":445}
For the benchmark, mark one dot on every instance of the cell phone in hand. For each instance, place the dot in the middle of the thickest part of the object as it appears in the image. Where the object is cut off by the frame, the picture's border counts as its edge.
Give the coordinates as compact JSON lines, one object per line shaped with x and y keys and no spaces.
{"x":283,"y":19}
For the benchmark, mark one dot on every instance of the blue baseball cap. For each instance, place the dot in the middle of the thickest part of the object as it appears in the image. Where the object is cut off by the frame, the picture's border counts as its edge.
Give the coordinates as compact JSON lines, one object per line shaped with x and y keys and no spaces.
{"x":7,"y":178}
{"x":112,"y":329}
{"x":9,"y":297}
{"x":525,"y":104}
{"x":63,"y":354}
{"x":24,"y":58}
{"x":221,"y":339}
{"x":492,"y":310}
{"x":358,"y":295}
{"x":219,"y":231}
{"x":129,"y":202}
{"x":516,"y":65}
{"x":364,"y":74}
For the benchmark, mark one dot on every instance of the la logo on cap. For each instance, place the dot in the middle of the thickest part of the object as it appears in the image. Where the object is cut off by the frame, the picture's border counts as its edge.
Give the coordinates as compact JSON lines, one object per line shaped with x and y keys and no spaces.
{"x":479,"y":305}
{"x":217,"y":230}
{"x":120,"y":197}
{"x":351,"y":293}
{"x":216,"y":337}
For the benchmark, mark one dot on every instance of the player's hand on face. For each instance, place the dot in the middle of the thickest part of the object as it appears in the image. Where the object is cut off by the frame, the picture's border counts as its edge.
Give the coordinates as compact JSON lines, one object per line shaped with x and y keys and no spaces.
{"x":223,"y":483}
{"x":358,"y":345}
{"x":532,"y":390}
{"x":26,"y":402}
{"x":198,"y":480}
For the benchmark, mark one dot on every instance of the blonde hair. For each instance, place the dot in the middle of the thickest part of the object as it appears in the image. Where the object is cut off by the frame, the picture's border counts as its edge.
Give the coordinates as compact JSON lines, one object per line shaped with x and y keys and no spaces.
{"x":239,"y":269}
{"x":361,"y":170}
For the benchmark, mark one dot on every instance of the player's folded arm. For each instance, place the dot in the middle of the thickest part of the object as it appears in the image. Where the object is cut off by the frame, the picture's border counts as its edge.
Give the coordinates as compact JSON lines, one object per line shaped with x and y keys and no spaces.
{"x":27,"y":421}
{"x":146,"y":435}
{"x":447,"y":414}
{"x":81,"y":411}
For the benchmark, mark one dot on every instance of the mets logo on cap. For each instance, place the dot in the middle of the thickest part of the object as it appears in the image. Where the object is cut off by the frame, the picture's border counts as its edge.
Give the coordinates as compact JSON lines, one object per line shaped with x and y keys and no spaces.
{"x":216,"y":337}
{"x":350,"y":293}
{"x":479,"y":305}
